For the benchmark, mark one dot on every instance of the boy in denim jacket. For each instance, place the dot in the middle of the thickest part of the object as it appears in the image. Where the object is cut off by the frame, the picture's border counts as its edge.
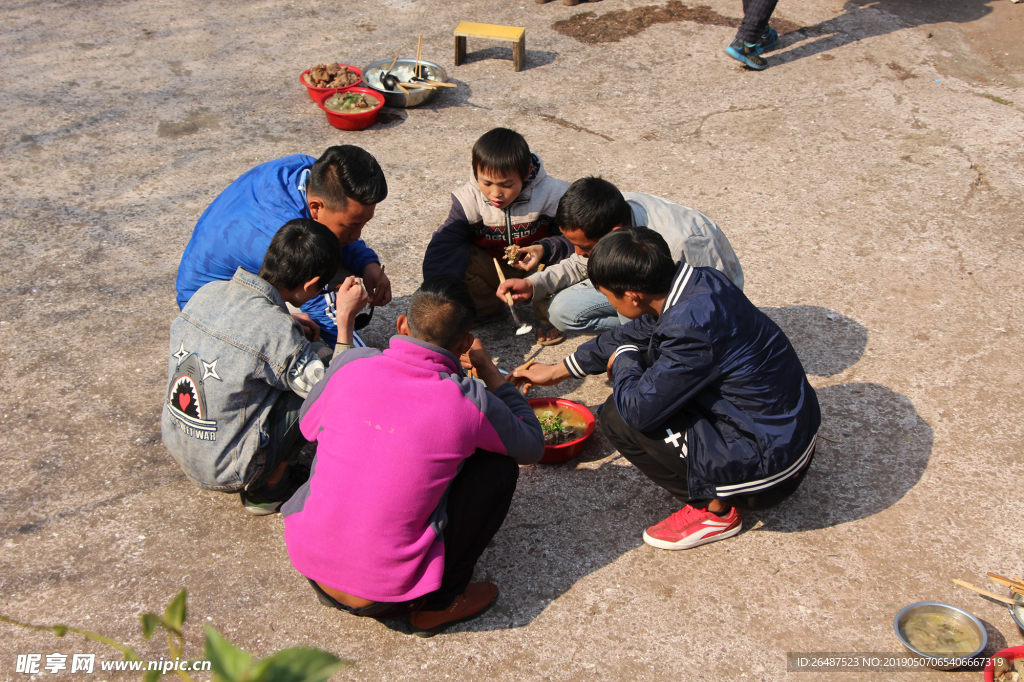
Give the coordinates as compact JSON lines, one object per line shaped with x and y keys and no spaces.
{"x":240,"y":367}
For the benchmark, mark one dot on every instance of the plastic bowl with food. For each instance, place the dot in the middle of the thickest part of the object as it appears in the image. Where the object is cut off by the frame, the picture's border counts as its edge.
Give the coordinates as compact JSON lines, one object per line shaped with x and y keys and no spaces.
{"x":943,"y":635}
{"x":342,"y":111}
{"x":404,"y":70}
{"x":315,"y":92}
{"x":1000,"y":668}
{"x":567,"y":426}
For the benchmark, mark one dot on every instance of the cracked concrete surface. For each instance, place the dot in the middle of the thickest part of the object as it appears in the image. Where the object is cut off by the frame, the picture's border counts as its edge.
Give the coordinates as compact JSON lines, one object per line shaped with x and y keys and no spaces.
{"x":870,"y":180}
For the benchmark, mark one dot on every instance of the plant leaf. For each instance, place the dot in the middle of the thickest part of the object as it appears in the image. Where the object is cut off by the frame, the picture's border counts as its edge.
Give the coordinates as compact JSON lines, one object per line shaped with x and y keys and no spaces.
{"x":149,"y":623}
{"x":298,"y":664}
{"x":227,"y":661}
{"x":60,"y":630}
{"x":174,"y":614}
{"x":152,"y":675}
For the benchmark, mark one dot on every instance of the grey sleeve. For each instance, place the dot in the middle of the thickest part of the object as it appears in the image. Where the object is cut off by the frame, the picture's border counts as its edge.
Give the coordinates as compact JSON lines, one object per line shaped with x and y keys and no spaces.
{"x":561,"y":275}
{"x":517,"y":426}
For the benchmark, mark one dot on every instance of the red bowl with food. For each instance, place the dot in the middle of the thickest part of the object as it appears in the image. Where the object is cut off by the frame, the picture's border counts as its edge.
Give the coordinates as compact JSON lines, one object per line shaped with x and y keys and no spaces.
{"x":1008,"y":660}
{"x":567,"y":426}
{"x":353,"y":118}
{"x":314,"y":91}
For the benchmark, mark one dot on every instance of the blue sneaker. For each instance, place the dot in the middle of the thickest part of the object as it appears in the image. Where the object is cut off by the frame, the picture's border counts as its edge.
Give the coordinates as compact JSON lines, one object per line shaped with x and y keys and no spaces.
{"x":768,"y":40}
{"x":748,"y":54}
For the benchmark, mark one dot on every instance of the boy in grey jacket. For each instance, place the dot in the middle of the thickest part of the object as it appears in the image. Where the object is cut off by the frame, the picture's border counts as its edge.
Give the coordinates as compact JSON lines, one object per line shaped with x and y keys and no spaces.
{"x":240,"y":367}
{"x":592,"y":208}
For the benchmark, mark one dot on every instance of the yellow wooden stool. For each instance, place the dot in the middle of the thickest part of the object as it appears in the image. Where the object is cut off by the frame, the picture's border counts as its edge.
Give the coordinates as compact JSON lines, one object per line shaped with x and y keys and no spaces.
{"x":513,"y":34}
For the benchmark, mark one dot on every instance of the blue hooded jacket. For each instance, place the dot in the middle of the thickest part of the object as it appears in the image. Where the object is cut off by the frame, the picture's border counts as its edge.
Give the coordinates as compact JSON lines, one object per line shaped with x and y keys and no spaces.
{"x":714,"y":357}
{"x":236,"y":229}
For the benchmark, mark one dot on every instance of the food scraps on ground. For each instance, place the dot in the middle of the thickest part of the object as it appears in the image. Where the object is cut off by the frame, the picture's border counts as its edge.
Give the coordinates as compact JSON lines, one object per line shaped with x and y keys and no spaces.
{"x":350,"y":102}
{"x":332,"y":75}
{"x":512,"y":254}
{"x":560,"y":426}
{"x":1007,"y":670}
{"x":940,"y":634}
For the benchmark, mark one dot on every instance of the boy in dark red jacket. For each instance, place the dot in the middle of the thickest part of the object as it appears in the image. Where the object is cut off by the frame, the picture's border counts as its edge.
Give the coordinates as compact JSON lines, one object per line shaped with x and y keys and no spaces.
{"x":710,"y":400}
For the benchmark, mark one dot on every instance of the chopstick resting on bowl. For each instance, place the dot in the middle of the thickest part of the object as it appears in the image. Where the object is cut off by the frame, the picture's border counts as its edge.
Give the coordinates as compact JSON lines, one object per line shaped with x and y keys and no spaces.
{"x":990,"y":595}
{"x":1015,"y":586}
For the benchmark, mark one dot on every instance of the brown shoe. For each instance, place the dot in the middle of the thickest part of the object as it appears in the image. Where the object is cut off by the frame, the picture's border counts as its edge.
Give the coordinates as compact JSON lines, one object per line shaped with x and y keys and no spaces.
{"x":477,"y":598}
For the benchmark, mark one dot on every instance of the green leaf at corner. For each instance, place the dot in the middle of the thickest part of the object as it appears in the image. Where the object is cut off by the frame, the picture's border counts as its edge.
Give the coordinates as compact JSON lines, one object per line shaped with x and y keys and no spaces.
{"x":227,"y":661}
{"x":152,"y":675}
{"x":149,"y":623}
{"x":174,"y":614}
{"x":298,"y":665}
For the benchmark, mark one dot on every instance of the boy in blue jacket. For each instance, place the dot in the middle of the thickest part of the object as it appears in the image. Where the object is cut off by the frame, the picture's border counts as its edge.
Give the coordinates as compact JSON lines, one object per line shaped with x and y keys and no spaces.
{"x":340,"y":190}
{"x":710,"y":400}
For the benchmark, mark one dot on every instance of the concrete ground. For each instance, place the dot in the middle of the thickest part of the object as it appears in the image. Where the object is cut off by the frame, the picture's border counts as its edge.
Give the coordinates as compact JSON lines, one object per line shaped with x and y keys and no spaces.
{"x":870,"y":181}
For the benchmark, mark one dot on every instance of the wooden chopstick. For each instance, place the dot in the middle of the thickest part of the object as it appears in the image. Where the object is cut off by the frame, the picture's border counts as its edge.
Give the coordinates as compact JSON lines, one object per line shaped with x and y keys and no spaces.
{"x":1006,"y":582}
{"x":991,"y":595}
{"x":425,"y":86}
{"x":399,"y":86}
{"x":501,"y":276}
{"x":419,"y":53}
{"x":440,"y":84}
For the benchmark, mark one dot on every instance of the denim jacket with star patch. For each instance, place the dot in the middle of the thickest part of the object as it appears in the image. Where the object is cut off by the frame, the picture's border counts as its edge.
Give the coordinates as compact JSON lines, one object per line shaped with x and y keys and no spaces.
{"x":234,"y":349}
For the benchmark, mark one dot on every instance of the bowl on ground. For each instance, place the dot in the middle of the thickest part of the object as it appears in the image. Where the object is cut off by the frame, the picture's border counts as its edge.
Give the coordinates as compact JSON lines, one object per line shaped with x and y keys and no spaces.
{"x":1012,"y":654}
{"x":351,"y":121}
{"x":939,"y":661}
{"x":1017,"y":612}
{"x":403,"y":70}
{"x":556,"y":454}
{"x":315,"y":92}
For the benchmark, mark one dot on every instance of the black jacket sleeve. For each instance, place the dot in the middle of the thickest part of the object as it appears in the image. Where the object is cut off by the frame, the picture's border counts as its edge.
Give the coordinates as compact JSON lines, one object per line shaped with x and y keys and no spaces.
{"x":556,"y":248}
{"x":448,"y":251}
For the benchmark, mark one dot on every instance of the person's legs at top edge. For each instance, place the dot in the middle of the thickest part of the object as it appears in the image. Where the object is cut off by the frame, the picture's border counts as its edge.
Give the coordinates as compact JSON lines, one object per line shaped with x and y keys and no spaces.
{"x":661,"y":455}
{"x":754,"y":36}
{"x":279,"y":480}
{"x":582,"y":308}
{"x":478,"y":501}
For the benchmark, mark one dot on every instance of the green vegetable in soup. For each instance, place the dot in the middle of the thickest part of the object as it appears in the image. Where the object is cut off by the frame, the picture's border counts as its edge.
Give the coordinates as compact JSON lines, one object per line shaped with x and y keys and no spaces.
{"x":350,"y":102}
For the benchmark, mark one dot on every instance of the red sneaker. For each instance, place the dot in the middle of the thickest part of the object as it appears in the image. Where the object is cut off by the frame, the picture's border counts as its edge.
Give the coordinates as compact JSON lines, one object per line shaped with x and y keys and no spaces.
{"x":692,"y":527}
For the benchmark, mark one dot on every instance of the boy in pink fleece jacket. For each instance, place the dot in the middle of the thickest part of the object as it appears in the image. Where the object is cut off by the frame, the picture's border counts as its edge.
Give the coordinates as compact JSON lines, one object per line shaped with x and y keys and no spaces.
{"x":412,"y":480}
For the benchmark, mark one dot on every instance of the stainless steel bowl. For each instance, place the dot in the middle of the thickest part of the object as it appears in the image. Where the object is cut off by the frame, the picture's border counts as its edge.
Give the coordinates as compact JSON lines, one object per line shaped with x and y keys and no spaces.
{"x":924,"y":607}
{"x":403,"y":70}
{"x":1017,"y":612}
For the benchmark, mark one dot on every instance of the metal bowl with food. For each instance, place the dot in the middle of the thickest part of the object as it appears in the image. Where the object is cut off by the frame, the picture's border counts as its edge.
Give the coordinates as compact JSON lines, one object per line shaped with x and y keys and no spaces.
{"x":1017,"y":612}
{"x":942,"y":634}
{"x":403,"y":70}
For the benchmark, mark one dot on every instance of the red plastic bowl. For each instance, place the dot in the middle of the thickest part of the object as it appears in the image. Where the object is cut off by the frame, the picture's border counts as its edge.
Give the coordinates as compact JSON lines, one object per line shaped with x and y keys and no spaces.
{"x":1013,"y":653}
{"x":314,"y":91}
{"x":556,"y":454}
{"x":363,"y":119}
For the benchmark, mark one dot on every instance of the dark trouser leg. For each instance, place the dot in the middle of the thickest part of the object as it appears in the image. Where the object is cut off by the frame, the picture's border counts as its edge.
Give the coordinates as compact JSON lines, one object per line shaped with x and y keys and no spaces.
{"x":478,"y":500}
{"x":657,"y":453}
{"x":284,"y":440}
{"x":756,"y":14}
{"x":772,"y":496}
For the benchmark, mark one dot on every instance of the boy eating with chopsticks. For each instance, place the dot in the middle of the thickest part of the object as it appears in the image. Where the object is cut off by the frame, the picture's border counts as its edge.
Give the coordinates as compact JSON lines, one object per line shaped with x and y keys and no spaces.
{"x":504,"y":212}
{"x":710,"y":400}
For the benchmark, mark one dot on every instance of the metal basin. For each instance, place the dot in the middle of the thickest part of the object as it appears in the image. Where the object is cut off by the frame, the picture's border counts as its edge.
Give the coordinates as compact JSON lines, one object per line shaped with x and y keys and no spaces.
{"x":404,"y":69}
{"x":939,"y":662}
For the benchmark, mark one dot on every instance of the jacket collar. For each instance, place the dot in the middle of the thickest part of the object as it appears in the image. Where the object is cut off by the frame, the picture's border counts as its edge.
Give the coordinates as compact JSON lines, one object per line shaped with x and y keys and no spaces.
{"x":679,"y":283}
{"x":422,"y":354}
{"x":261,"y":286}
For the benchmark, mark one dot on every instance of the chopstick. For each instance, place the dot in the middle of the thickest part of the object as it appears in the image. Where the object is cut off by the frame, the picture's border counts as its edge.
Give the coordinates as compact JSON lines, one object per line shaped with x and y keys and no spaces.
{"x":419,"y":53}
{"x":440,"y":84}
{"x":990,"y":595}
{"x":425,"y":86}
{"x":399,"y":86}
{"x":1006,"y":582}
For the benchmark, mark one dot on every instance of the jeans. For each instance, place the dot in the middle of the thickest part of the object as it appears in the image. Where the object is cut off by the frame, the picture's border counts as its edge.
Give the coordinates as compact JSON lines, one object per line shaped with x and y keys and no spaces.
{"x":582,"y":308}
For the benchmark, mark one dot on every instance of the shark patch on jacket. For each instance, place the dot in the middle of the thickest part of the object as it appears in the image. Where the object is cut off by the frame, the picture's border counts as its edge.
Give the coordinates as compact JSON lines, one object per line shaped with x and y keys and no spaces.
{"x":186,"y":397}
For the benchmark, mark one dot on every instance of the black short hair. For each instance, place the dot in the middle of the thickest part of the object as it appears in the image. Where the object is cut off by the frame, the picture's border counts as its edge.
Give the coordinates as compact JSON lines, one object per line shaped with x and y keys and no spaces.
{"x":594,"y":206}
{"x":347,"y":172}
{"x":441,"y":311}
{"x":502,"y":150}
{"x":302,"y":249}
{"x":632,"y":259}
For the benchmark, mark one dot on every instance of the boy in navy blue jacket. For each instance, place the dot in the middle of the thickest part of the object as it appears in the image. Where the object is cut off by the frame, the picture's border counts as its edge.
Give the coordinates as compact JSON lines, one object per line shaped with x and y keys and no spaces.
{"x":710,"y":400}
